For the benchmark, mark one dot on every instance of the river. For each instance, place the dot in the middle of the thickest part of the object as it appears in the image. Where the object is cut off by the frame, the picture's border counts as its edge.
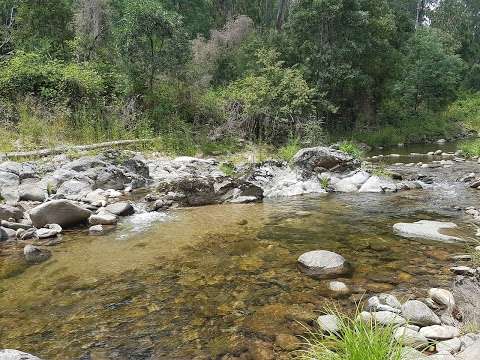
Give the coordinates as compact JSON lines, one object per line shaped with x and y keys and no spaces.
{"x":200,"y":283}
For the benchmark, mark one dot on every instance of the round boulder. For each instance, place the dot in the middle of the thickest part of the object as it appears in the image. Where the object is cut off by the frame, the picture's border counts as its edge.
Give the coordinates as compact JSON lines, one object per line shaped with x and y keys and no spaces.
{"x":120,"y":209}
{"x":323,"y":264}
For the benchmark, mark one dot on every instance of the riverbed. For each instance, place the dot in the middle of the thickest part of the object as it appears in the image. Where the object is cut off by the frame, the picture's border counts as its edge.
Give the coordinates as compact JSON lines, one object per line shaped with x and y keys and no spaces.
{"x":207,"y":282}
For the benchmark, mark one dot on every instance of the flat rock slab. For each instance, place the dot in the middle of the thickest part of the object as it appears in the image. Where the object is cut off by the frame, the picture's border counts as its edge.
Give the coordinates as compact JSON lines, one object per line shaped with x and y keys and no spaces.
{"x":426,"y":229}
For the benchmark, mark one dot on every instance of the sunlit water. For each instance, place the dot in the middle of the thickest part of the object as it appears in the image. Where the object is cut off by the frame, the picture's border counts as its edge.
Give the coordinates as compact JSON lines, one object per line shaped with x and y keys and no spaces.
{"x":195,"y":284}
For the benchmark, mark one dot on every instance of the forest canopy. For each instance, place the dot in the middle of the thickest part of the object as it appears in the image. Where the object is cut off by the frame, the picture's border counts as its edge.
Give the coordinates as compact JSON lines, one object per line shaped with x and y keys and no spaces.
{"x":190,"y":71}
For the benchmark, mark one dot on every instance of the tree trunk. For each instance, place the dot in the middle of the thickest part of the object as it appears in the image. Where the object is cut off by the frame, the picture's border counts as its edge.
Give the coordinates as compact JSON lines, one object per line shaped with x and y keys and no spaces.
{"x":420,"y":13}
{"x":281,"y":12}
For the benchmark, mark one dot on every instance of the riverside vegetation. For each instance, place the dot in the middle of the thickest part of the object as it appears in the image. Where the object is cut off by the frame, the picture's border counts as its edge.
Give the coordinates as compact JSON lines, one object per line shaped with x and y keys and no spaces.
{"x":201,"y":74}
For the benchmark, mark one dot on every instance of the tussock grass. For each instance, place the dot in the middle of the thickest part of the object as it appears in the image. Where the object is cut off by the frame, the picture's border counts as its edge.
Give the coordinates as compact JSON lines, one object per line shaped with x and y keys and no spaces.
{"x":351,"y":148}
{"x":470,"y":148}
{"x":356,"y":340}
{"x":288,"y":151}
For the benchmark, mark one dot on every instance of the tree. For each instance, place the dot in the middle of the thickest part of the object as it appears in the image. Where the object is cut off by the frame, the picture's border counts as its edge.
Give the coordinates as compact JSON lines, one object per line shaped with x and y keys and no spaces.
{"x":151,"y":40}
{"x":431,"y":73}
{"x":43,"y":25}
{"x":347,"y":49}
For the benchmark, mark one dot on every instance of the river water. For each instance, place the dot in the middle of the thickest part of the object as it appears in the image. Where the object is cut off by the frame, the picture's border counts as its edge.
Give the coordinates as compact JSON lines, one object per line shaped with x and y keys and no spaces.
{"x":203,"y":282}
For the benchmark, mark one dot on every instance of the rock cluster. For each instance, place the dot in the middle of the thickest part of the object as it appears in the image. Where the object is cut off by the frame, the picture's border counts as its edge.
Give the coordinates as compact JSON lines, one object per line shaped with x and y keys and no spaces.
{"x":418,"y":325}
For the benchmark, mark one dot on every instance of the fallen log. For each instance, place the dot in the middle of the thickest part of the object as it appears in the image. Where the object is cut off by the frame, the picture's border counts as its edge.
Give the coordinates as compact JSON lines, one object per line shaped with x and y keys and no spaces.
{"x":65,"y":148}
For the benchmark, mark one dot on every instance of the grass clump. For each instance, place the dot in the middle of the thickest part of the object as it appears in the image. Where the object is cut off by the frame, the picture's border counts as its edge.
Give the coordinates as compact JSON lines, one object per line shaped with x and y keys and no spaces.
{"x":288,"y":151}
{"x":325,"y":183}
{"x":351,"y":148}
{"x":470,"y":148}
{"x":356,"y":340}
{"x":227,"y":168}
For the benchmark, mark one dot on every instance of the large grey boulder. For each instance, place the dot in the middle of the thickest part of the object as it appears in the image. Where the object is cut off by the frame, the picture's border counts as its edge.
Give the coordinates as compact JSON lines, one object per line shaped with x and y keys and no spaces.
{"x":321,"y":158}
{"x":323,"y":264}
{"x":452,"y":346}
{"x":417,"y":313}
{"x":426,"y":229}
{"x":62,"y":212}
{"x":10,"y":354}
{"x":472,"y":352}
{"x":8,"y":212}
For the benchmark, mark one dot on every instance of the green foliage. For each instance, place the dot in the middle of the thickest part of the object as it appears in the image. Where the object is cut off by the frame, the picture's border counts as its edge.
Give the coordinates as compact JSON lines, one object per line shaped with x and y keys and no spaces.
{"x":288,"y":151}
{"x":325,"y":183}
{"x":228,"y":168}
{"x":273,"y":98}
{"x":356,"y":340}
{"x":43,"y":25}
{"x":151,"y":41}
{"x":32,"y":74}
{"x":432,"y":71}
{"x":470,"y":148}
{"x":466,"y":110}
{"x":349,"y":147}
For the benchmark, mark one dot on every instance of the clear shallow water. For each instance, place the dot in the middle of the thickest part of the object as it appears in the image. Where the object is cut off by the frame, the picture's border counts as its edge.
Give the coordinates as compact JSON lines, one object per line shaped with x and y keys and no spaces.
{"x":195,"y":284}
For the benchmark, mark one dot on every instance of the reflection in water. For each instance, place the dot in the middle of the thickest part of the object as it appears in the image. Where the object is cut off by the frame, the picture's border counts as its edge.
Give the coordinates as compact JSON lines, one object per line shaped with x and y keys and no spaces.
{"x":197,"y":283}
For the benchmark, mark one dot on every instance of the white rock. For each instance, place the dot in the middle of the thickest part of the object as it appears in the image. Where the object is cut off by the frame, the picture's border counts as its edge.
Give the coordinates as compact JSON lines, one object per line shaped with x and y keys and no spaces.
{"x":442,"y":297}
{"x":323,"y":264}
{"x":10,"y":354}
{"x":329,"y":323}
{"x":103,"y":218}
{"x":352,"y":183}
{"x":440,"y":332}
{"x":409,"y":337}
{"x":382,"y":317}
{"x":377,"y":185}
{"x":442,"y":356}
{"x":338,"y":287}
{"x":425,"y":229}
{"x":452,"y":346}
{"x":472,"y":352}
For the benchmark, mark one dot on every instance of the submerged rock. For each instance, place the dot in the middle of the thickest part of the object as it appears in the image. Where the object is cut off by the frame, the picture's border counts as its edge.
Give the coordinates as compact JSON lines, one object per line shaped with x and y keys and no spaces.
{"x":35,"y":255}
{"x":10,"y":354}
{"x":96,"y":230}
{"x":425,"y":229}
{"x":61,"y":212}
{"x":323,"y":264}
{"x":7,"y":234}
